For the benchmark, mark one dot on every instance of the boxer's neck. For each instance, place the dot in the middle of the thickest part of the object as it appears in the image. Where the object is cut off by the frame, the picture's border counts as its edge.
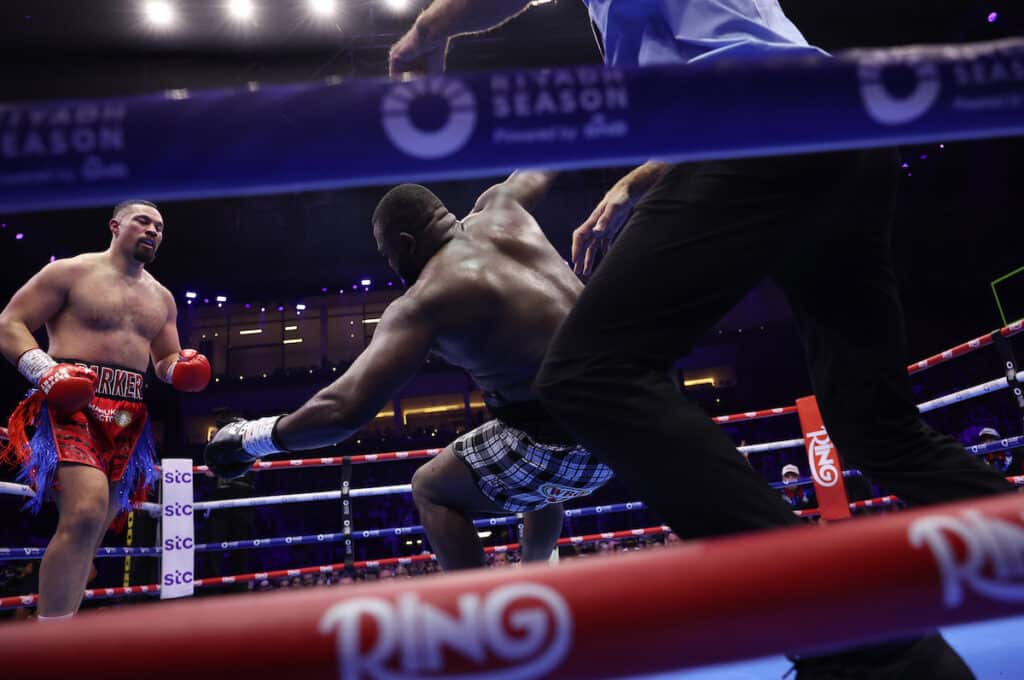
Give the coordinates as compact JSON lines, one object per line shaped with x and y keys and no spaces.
{"x":125,"y":264}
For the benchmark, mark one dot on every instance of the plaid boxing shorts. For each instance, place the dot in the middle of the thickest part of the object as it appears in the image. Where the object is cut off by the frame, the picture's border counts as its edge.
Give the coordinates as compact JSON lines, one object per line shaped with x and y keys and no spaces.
{"x":520,"y":474}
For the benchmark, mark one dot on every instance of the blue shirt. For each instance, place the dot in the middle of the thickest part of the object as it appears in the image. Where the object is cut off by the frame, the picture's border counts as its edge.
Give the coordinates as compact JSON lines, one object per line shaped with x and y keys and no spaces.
{"x":649,"y":32}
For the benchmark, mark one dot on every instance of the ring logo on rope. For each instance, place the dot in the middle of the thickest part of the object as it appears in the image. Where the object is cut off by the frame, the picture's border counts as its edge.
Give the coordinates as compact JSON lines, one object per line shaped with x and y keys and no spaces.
{"x":516,"y":632}
{"x":889,"y":108}
{"x":821,"y":453}
{"x":989,"y":562}
{"x":429,"y":118}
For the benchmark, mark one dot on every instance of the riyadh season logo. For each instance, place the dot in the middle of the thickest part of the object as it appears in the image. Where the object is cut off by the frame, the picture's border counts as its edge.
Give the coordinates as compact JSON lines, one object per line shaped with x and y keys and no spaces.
{"x":429,"y":118}
{"x":898,"y":93}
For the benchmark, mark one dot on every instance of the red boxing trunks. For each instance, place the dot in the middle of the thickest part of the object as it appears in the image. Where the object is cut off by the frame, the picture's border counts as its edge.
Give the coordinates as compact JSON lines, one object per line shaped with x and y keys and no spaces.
{"x":112,"y":434}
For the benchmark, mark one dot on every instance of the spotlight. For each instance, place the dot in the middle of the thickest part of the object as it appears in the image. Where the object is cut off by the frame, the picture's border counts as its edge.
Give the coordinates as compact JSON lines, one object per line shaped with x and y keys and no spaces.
{"x":323,"y":8}
{"x":190,"y":295}
{"x":397,"y":6}
{"x":159,"y":14}
{"x":241,"y":10}
{"x":365,"y":282}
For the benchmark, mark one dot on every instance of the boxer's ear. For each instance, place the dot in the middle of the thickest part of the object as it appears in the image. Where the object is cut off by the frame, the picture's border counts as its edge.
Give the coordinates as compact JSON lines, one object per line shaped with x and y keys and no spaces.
{"x":407,"y":243}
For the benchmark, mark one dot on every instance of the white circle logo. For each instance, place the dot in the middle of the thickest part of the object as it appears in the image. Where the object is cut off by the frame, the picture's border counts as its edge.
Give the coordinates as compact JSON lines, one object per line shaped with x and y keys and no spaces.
{"x":888,"y":109}
{"x":447,"y":122}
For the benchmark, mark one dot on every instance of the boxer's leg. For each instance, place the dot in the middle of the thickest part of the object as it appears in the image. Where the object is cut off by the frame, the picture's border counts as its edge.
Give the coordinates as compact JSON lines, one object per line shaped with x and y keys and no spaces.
{"x":84,"y":504}
{"x":445,"y":493}
{"x":541,"y":529}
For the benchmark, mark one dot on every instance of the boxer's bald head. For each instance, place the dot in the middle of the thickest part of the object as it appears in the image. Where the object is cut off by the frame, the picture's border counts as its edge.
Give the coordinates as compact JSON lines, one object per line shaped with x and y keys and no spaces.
{"x":407,"y":207}
{"x":409,"y":225}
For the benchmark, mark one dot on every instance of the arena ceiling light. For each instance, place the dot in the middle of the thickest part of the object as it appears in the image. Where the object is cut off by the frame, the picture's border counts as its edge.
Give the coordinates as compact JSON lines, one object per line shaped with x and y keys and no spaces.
{"x":159,"y":13}
{"x":397,"y":6}
{"x":323,"y":8}
{"x":241,"y":10}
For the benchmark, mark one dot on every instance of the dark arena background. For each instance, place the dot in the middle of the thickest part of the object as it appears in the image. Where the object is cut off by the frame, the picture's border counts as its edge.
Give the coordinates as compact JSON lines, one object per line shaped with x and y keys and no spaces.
{"x":284,"y":290}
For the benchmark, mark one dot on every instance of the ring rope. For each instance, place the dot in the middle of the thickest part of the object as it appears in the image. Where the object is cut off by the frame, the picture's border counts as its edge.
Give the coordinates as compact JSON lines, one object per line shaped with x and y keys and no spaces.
{"x":18,"y":601}
{"x":7,"y":554}
{"x":8,"y":488}
{"x":936,"y":566}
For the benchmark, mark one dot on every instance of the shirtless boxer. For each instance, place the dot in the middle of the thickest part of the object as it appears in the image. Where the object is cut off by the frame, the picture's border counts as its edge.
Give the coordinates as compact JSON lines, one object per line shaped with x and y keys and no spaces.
{"x":486,"y":293}
{"x":105,"y":317}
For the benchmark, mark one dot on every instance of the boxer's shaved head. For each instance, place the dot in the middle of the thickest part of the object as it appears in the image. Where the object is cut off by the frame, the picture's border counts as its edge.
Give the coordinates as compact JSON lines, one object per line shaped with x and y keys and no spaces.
{"x":407,"y":207}
{"x":401,"y":225}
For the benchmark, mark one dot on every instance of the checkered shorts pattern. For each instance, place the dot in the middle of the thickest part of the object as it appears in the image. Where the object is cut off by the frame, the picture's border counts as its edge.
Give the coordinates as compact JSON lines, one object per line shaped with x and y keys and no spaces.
{"x":521,"y":475}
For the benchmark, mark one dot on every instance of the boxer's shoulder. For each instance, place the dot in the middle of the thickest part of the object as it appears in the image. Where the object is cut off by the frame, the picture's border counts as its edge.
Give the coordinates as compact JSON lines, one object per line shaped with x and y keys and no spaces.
{"x":68,"y":267}
{"x":458,"y":285}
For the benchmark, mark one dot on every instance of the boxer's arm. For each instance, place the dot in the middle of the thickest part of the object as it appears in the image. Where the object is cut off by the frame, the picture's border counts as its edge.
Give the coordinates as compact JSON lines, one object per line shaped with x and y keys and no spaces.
{"x":166,"y":345}
{"x":35,"y":303}
{"x":398,"y":348}
{"x":187,"y":370}
{"x":422,"y":47}
{"x":525,"y":187}
{"x":447,"y":18}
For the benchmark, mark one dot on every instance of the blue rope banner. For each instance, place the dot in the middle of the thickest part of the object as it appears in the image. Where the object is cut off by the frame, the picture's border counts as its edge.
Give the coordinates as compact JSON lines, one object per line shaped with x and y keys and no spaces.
{"x":183,"y":144}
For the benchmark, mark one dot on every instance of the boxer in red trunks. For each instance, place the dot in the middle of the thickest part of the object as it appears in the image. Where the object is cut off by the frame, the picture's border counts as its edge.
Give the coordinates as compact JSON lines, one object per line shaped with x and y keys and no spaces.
{"x":82,"y":433}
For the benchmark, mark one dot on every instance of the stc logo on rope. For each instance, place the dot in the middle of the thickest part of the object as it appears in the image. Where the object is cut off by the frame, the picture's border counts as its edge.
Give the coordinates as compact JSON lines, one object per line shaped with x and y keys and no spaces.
{"x":917,"y":89}
{"x":178,"y":543}
{"x":516,"y":632}
{"x":179,"y":577}
{"x":178,"y":510}
{"x":974,"y":552}
{"x":429,"y":118}
{"x":822,"y":454}
{"x":177,"y":477}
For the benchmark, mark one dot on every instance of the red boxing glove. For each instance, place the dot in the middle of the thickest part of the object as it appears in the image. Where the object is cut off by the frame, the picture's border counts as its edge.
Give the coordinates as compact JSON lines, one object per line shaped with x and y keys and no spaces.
{"x":191,"y":372}
{"x":68,"y":388}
